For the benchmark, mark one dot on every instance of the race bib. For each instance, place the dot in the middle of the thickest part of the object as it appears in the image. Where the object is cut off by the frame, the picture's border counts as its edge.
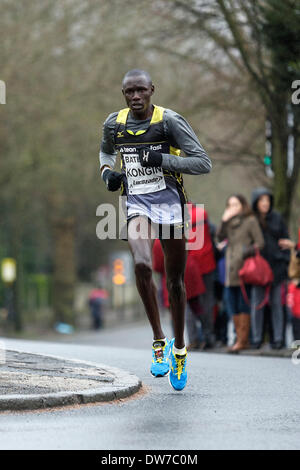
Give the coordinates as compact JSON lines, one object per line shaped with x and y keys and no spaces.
{"x":142,"y":180}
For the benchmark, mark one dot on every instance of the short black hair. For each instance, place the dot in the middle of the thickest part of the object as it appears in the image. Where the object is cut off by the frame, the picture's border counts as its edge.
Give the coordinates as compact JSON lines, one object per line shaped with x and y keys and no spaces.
{"x":137,"y":73}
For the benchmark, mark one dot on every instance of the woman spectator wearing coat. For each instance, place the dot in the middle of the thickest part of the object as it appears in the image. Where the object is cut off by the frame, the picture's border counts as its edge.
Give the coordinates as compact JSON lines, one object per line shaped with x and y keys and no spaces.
{"x":273,"y":229}
{"x":241,"y":229}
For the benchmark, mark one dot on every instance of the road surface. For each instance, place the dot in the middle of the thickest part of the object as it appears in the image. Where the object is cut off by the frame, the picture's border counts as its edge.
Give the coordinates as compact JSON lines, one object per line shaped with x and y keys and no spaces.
{"x":230,"y":402}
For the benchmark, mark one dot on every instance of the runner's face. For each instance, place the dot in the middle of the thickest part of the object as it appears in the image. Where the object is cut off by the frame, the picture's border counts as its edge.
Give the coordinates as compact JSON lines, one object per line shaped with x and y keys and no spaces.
{"x":137,"y":92}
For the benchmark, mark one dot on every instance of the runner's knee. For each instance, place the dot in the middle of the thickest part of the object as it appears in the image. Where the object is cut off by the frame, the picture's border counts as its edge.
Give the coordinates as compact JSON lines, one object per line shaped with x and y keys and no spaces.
{"x":176,"y":287}
{"x":143,"y":271}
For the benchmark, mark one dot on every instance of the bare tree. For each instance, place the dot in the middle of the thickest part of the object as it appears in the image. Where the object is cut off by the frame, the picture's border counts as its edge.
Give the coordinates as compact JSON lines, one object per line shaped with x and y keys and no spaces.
{"x":234,"y":39}
{"x":62,"y":62}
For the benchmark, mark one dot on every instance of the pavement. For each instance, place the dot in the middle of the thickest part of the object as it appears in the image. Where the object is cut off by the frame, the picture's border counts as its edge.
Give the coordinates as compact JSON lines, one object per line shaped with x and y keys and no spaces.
{"x":31,"y":381}
{"x":107,"y":337}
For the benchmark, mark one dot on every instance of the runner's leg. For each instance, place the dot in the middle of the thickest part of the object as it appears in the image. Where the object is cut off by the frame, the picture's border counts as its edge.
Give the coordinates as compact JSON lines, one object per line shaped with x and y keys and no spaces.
{"x":141,"y":250}
{"x":175,"y":259}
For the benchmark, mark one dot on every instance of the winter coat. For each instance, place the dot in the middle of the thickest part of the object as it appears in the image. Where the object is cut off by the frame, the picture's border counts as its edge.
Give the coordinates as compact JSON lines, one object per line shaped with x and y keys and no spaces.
{"x":274,"y":229}
{"x":293,"y":299}
{"x":242,"y":233}
{"x":205,"y":255}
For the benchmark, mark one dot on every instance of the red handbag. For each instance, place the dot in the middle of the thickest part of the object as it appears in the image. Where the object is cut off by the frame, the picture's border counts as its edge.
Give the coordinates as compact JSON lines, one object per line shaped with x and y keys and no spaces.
{"x":257,"y":272}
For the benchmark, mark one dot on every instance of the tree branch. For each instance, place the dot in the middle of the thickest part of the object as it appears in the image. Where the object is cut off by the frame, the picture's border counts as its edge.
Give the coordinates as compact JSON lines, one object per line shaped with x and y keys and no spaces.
{"x":240,"y":41}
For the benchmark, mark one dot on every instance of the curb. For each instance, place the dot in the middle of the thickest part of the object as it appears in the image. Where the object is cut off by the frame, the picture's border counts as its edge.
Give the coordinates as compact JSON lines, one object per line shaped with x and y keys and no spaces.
{"x":124,"y":385}
{"x":283,"y":353}
{"x":287,"y":353}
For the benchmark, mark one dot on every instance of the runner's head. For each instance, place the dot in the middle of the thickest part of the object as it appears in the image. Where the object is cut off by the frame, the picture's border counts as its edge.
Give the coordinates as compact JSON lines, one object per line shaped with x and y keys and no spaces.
{"x":137,"y":89}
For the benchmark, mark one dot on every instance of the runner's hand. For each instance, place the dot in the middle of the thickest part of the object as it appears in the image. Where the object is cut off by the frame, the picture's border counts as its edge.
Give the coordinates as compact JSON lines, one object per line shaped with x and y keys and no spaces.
{"x":150,"y":157}
{"x":112,"y":179}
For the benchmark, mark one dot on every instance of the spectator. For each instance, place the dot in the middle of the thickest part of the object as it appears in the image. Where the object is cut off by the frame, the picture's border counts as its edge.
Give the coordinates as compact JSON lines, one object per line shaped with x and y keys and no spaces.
{"x":241,"y":229}
{"x":222,"y":319}
{"x":205,"y":259}
{"x":294,"y":305}
{"x":273,"y":229}
{"x":294,"y":285}
{"x":96,"y":298}
{"x":287,"y":244}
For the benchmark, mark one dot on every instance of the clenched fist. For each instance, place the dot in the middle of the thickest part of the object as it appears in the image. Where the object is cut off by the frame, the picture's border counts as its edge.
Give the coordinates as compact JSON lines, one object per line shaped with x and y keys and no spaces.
{"x":112,"y":179}
{"x":150,"y":157}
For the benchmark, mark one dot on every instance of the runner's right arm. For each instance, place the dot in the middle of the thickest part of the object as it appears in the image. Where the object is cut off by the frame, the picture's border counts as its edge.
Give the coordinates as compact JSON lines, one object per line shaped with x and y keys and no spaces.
{"x":108,"y":153}
{"x":108,"y":156}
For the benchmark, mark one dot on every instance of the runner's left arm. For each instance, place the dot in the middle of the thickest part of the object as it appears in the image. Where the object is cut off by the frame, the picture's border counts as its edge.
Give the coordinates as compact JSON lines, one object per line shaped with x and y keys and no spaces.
{"x":182,"y":136}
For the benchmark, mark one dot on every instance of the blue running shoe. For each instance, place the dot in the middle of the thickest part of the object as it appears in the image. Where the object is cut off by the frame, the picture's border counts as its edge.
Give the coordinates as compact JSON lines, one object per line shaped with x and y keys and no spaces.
{"x":178,"y":374}
{"x":160,"y":358}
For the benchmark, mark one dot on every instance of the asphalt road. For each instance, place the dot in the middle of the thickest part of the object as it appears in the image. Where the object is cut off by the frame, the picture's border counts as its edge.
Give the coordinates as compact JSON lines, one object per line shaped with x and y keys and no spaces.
{"x":230,"y":402}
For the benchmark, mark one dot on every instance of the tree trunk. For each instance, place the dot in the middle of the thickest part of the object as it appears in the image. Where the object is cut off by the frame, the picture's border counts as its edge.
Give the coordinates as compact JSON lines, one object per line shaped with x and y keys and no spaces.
{"x":64,"y":269}
{"x":281,"y":180}
{"x":284,"y":185}
{"x":17,"y":288}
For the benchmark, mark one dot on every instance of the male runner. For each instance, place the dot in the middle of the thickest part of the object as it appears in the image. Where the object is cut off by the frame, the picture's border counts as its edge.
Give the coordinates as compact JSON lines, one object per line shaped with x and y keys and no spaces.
{"x":149,"y":139}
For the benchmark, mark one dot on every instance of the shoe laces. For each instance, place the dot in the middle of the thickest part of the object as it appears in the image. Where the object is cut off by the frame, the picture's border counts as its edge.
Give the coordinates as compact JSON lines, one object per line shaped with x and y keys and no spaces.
{"x":159,"y":355}
{"x":180,"y":363}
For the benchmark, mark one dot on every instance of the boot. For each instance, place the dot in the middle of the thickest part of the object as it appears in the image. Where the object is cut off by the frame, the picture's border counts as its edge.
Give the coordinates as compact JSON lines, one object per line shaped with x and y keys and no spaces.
{"x":193,"y":346}
{"x":245,"y":330}
{"x":237,"y":323}
{"x":242,"y":333}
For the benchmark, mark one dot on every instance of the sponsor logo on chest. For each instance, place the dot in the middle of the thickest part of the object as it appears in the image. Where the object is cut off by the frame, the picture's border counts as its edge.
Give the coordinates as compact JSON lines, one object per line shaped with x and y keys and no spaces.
{"x":126,"y":149}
